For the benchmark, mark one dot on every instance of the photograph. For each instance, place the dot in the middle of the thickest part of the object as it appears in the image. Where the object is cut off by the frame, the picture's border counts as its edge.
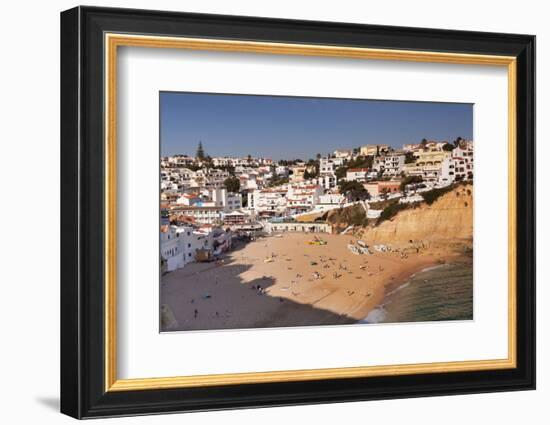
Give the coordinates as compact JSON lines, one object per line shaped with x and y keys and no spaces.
{"x":280,"y":211}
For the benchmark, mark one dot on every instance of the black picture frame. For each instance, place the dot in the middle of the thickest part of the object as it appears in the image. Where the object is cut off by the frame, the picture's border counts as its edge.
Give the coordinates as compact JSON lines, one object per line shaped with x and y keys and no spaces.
{"x":82,"y":219}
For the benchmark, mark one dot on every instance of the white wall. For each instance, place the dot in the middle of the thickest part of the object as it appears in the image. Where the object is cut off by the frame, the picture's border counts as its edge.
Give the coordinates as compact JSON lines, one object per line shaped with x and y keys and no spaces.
{"x":29,"y":84}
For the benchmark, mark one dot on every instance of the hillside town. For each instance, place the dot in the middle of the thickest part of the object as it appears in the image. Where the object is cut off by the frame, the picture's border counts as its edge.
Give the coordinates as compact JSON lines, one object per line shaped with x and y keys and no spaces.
{"x":209,"y":202}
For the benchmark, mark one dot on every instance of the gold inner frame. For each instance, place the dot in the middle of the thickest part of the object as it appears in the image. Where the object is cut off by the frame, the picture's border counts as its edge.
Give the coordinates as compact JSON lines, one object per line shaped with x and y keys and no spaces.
{"x":113,"y":41}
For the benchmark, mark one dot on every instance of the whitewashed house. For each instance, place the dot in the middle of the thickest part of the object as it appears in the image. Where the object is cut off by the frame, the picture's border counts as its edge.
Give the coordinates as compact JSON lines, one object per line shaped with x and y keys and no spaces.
{"x":357,"y":174}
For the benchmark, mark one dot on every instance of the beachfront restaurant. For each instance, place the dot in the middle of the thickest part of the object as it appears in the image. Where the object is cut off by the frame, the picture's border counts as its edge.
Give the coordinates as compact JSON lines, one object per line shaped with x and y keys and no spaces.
{"x":296,"y":226}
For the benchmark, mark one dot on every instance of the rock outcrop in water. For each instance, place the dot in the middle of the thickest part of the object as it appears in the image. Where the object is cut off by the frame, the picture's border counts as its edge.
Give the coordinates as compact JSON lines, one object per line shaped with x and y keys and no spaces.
{"x":448,"y":220}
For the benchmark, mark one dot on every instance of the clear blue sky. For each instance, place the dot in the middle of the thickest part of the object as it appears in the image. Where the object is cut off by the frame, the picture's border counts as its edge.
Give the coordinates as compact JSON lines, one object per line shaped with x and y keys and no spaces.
{"x":281,"y":127}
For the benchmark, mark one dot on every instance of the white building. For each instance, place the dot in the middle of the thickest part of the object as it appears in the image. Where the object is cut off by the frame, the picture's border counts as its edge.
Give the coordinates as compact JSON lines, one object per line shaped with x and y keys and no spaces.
{"x":463,"y":157}
{"x":332,"y":199}
{"x":327,"y":166}
{"x":327,"y":177}
{"x":302,"y":198}
{"x":249,"y":181}
{"x":269,"y":201}
{"x":167,"y":185}
{"x":328,"y":181}
{"x":448,"y":173}
{"x":390,"y":164}
{"x":343,"y":153}
{"x":179,"y":244}
{"x":282,"y":170}
{"x":297,"y":227}
{"x":180,"y":160}
{"x":190,"y":240}
{"x":172,"y":257}
{"x":209,"y":177}
{"x":338,"y":162}
{"x":228,"y":200}
{"x":201,"y":214}
{"x":357,"y":174}
{"x":224,"y":161}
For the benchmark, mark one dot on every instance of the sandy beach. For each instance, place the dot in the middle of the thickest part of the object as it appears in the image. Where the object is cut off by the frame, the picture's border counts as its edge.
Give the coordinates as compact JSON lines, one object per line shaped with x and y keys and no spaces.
{"x":284,"y":281}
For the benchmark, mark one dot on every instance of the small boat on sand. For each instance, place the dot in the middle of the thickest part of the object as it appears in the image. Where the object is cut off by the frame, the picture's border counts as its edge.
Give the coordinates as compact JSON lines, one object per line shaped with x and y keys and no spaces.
{"x":353,"y":249}
{"x":365,"y":250}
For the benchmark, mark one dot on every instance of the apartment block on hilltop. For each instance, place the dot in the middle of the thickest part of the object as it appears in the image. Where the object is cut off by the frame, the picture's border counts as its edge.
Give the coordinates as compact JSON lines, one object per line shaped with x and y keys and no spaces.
{"x":428,"y":165}
{"x":389,"y":164}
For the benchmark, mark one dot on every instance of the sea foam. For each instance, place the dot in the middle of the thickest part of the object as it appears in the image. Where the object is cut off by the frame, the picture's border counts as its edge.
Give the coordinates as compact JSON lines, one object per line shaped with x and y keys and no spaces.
{"x":375,"y":316}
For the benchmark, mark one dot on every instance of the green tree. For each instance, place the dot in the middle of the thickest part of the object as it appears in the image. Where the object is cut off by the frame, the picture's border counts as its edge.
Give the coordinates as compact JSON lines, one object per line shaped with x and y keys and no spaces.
{"x":340,"y":172}
{"x":277,"y":181}
{"x":448,"y":147}
{"x":391,"y":211}
{"x":410,"y":158}
{"x":200,"y":151}
{"x":408,"y":180}
{"x":433,"y":195}
{"x":232,"y":184}
{"x":423,"y":143}
{"x":353,"y":190}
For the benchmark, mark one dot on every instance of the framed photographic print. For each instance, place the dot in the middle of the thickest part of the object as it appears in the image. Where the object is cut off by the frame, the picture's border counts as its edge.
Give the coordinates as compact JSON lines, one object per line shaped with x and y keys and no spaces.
{"x":261,"y":212}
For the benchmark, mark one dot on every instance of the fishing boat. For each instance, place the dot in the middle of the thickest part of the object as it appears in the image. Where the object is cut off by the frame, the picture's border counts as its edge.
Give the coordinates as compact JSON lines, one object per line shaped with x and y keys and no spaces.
{"x":364,"y":250}
{"x":353,"y":249}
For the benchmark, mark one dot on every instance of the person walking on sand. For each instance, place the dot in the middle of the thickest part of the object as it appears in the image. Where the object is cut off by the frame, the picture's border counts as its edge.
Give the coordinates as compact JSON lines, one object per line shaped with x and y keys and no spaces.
{"x":196,"y":313}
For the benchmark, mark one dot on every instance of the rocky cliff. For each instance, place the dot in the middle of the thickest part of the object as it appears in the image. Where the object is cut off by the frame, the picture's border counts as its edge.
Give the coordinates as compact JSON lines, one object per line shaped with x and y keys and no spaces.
{"x":448,"y":220}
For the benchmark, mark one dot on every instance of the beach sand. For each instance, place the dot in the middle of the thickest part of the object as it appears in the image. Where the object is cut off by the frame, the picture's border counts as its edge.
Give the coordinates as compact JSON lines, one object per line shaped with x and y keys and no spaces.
{"x":299,"y":285}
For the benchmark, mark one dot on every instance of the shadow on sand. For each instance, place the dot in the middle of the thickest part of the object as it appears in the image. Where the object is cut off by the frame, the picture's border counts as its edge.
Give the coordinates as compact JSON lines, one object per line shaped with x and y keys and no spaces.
{"x":198,"y":297}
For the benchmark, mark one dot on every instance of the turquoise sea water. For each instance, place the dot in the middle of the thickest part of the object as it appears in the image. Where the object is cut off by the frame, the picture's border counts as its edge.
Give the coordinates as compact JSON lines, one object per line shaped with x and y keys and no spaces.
{"x":440,"y":293}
